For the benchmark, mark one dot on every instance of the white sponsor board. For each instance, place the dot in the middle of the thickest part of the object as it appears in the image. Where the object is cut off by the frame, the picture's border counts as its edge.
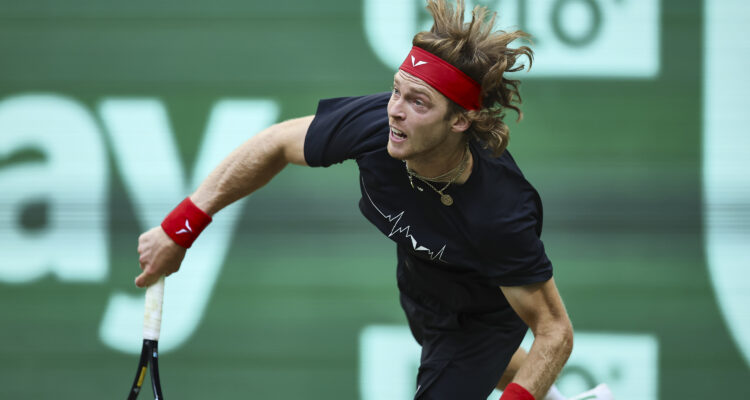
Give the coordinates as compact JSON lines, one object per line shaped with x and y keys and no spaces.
{"x":571,"y":38}
{"x":628,"y":363}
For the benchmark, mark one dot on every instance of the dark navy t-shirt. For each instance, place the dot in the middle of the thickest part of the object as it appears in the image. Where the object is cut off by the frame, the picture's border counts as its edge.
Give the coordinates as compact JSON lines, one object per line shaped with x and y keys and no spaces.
{"x":451,"y":260}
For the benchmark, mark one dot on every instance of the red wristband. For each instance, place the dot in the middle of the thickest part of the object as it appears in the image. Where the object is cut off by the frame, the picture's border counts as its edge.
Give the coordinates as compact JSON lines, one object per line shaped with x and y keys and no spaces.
{"x":185,"y":223}
{"x":515,"y":391}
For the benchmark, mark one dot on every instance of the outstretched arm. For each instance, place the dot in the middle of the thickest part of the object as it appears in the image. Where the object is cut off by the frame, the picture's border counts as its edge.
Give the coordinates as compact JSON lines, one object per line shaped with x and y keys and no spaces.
{"x":540,"y":306}
{"x":245,"y":170}
{"x":253,"y":164}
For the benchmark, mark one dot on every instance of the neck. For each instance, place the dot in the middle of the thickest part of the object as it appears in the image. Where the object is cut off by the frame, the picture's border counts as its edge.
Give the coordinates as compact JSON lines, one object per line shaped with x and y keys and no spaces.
{"x":439,"y":164}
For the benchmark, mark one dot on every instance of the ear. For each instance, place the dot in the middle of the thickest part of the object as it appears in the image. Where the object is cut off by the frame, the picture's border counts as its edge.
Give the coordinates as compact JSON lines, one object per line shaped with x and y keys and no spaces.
{"x":460,"y":123}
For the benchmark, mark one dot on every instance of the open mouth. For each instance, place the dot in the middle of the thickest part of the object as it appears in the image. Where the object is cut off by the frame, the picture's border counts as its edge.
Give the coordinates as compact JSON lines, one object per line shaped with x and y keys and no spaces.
{"x":397,"y":135}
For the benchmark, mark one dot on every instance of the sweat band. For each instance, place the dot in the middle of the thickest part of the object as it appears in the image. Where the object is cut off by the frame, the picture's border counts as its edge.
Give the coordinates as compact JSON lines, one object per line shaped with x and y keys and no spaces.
{"x":185,"y":223}
{"x":515,"y":391}
{"x":444,"y":77}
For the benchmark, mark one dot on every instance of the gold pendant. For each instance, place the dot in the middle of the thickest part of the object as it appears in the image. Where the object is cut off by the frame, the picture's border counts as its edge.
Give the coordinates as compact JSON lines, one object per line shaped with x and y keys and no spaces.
{"x":446,"y":199}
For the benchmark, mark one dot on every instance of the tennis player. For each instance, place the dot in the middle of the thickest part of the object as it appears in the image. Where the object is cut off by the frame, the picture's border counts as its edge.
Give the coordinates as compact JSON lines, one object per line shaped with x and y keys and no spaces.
{"x":435,"y":178}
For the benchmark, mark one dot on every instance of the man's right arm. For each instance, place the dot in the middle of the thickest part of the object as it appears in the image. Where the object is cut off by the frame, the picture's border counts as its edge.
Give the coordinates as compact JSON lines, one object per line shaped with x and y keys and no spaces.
{"x":245,"y":170}
{"x":253,"y":164}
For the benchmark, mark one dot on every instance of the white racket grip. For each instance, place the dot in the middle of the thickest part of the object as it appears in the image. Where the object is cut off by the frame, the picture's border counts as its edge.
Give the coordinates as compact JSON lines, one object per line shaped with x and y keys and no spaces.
{"x":152,"y":315}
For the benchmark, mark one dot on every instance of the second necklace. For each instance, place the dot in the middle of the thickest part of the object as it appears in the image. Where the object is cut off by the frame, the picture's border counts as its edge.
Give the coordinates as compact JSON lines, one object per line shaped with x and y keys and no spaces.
{"x":445,"y":198}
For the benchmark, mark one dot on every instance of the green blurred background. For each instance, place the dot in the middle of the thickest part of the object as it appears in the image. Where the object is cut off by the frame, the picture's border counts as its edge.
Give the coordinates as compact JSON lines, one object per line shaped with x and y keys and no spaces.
{"x":616,"y":158}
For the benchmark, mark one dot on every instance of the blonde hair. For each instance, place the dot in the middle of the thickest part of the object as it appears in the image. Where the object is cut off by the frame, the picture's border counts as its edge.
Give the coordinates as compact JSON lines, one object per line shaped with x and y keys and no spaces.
{"x":484,"y":55}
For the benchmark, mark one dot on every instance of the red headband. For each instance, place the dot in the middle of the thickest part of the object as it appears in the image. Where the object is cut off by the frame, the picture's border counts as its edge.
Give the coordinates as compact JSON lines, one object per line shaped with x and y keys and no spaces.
{"x":444,"y":77}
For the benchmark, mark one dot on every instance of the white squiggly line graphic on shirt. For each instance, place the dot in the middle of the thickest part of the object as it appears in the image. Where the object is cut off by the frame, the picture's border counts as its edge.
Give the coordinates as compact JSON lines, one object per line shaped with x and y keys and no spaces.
{"x":404,"y":229}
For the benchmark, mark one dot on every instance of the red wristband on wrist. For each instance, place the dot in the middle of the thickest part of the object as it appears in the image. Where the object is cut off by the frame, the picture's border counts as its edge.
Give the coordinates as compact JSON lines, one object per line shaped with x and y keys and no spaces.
{"x":185,"y":223}
{"x":515,"y":391}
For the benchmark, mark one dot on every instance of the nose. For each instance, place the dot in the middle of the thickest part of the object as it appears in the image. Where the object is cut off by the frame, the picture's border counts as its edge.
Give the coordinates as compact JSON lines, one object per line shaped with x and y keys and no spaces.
{"x":396,"y":109}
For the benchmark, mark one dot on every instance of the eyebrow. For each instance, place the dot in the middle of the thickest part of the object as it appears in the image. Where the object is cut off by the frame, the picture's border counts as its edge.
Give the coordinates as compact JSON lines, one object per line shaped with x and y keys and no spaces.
{"x":417,"y":90}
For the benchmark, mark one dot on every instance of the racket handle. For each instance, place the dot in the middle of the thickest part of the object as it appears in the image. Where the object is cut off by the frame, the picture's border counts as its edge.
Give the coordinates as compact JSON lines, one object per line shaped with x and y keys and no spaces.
{"x":152,"y":315}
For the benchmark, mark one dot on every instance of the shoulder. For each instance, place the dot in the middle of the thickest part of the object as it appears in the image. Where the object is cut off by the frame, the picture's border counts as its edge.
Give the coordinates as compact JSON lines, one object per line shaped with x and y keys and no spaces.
{"x":501,"y":178}
{"x":510,"y":199}
{"x":373,"y":105}
{"x":346,"y":127}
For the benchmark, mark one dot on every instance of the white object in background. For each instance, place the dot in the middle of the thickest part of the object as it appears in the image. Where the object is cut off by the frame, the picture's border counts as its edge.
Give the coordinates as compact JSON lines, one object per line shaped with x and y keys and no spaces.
{"x":628,"y":363}
{"x":726,"y":161}
{"x":572,"y":38}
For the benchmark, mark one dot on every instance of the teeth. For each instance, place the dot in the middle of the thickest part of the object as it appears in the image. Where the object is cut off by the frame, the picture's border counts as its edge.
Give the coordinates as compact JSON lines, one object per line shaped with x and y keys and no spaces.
{"x":396,"y":131}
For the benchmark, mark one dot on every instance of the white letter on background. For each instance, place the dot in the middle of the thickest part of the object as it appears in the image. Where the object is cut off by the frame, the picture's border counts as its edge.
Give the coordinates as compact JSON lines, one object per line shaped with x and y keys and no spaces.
{"x":726,"y":161}
{"x":72,"y":182}
{"x":146,"y":154}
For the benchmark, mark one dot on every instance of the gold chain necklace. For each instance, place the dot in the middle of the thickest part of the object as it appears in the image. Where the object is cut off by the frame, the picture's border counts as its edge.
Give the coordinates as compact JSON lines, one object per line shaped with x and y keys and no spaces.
{"x":446,"y":199}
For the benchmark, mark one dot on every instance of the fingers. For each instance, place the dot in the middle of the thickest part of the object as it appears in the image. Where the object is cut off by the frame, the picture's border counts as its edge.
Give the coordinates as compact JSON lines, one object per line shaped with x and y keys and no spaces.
{"x":158,"y":255}
{"x":149,"y":276}
{"x":145,"y":279}
{"x":150,"y":273}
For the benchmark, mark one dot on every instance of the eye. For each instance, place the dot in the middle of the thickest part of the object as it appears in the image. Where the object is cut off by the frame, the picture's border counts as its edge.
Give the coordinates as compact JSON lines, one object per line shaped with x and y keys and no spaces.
{"x":419,"y":102}
{"x":395,"y":91}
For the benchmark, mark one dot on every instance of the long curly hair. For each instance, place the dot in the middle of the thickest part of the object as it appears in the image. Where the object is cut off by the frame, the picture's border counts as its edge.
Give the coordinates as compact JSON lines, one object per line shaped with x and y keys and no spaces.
{"x":485,"y":56}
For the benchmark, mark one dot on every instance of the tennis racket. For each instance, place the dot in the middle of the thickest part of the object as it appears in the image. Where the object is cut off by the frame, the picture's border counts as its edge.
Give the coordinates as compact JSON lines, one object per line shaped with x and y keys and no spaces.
{"x":150,"y":351}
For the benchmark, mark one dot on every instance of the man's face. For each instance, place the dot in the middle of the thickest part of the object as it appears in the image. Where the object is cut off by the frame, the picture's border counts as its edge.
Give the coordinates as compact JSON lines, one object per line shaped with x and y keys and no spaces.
{"x":416,"y":115}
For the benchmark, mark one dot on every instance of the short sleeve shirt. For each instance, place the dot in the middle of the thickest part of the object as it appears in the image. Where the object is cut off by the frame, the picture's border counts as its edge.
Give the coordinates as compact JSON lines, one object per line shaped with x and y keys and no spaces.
{"x":451,"y":259}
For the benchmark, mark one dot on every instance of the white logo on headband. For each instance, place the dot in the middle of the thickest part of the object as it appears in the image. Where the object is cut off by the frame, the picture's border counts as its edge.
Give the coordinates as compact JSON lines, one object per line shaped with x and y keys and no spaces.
{"x":417,"y":63}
